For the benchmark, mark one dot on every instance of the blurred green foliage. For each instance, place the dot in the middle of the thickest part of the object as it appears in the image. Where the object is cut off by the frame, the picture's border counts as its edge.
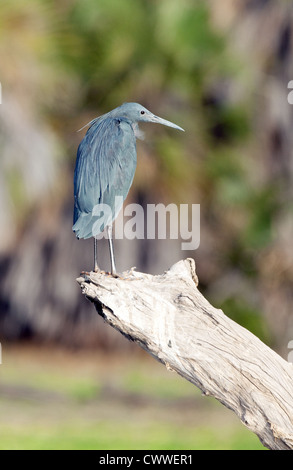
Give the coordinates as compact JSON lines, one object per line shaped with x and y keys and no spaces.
{"x":83,"y":58}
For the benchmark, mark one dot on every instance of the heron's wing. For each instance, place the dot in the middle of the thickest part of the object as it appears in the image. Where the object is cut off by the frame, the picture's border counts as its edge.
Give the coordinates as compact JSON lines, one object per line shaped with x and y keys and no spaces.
{"x":105,"y":165}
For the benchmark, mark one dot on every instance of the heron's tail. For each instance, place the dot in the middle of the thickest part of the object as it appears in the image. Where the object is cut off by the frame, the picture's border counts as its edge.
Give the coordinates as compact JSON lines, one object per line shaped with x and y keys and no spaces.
{"x":83,"y":226}
{"x":88,"y":225}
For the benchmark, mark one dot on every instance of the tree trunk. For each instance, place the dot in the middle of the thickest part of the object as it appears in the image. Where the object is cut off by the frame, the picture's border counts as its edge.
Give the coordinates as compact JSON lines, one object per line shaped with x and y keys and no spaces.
{"x":169,"y":318}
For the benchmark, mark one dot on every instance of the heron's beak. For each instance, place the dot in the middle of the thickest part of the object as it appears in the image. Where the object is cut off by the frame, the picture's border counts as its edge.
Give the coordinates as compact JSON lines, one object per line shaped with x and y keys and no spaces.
{"x":159,"y":120}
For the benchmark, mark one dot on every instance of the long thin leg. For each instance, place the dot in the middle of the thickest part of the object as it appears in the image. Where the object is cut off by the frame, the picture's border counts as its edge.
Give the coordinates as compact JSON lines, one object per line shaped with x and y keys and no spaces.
{"x":96,"y":268}
{"x":113,"y":267}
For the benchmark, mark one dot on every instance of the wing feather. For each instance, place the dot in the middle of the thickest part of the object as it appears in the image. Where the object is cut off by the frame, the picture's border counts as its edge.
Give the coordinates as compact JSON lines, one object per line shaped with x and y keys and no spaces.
{"x":105,"y":166}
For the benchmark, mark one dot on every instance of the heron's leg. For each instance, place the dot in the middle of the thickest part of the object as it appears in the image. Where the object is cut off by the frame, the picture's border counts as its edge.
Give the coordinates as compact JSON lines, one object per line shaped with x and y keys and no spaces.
{"x":113,"y":267}
{"x":96,"y":268}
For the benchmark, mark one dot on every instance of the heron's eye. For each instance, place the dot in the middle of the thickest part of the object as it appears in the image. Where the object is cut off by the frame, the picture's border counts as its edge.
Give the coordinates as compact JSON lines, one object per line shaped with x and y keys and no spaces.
{"x":142,"y":112}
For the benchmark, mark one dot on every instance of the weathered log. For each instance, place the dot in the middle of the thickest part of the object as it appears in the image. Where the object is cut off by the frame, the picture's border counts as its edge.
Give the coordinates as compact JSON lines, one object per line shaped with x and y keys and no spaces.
{"x":168,"y":317}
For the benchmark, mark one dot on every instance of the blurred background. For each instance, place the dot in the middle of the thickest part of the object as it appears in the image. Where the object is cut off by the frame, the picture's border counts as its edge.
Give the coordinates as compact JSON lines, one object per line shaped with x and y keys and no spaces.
{"x":221,"y":71}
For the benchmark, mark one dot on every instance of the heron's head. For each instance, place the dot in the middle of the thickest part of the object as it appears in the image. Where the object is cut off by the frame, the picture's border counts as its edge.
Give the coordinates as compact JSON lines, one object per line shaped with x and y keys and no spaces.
{"x":135,"y":112}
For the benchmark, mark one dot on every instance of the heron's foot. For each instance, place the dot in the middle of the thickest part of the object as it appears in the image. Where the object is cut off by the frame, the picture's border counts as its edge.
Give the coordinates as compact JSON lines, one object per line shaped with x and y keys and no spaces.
{"x":125,"y":276}
{"x":96,"y":270}
{"x":110,"y":274}
{"x":85,"y":273}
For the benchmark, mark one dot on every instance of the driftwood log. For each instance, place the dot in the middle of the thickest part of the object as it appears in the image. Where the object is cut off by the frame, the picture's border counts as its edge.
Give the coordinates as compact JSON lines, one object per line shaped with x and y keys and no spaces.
{"x":168,"y":317}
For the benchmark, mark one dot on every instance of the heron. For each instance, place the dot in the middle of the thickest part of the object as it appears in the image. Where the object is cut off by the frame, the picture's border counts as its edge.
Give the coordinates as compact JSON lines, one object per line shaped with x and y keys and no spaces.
{"x":105,"y":168}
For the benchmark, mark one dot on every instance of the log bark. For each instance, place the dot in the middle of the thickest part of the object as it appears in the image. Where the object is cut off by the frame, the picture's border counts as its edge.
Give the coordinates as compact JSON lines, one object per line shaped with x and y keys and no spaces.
{"x":169,"y":318}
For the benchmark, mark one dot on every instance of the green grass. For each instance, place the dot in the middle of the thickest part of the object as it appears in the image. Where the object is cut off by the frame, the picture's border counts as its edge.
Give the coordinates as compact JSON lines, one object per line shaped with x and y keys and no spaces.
{"x":157,"y":385}
{"x":110,"y":435}
{"x":60,"y":400}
